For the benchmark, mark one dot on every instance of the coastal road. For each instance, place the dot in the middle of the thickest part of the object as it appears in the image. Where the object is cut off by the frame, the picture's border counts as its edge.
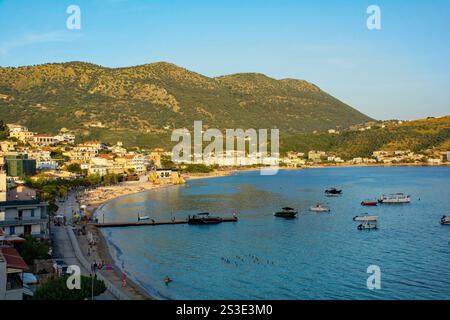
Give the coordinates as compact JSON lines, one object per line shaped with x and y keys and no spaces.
{"x":62,"y":246}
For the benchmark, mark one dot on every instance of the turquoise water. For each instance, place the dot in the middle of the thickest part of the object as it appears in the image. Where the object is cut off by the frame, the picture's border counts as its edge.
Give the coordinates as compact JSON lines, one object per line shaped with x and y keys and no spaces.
{"x":316,"y":256}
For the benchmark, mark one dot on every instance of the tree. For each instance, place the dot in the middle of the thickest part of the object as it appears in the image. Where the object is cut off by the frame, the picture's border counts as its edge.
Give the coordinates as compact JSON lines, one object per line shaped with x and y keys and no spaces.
{"x":33,"y":249}
{"x":56,"y":289}
{"x":3,"y":130}
{"x":74,"y":168}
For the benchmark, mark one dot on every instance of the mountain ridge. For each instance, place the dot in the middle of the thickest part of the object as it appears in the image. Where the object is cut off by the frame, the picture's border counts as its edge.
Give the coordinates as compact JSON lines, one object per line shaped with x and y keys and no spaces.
{"x":153,"y":99}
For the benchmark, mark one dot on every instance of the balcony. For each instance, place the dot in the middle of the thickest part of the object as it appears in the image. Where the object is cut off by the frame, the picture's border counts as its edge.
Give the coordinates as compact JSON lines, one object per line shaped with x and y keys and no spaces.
{"x":22,"y":222}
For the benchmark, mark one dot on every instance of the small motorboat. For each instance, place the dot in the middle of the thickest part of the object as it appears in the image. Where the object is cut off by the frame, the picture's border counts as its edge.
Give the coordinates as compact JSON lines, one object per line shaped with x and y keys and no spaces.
{"x":369,"y":203}
{"x":367,"y":225}
{"x":144,"y":218}
{"x":445,"y":220}
{"x":333,"y":191}
{"x":365,"y":218}
{"x":319,"y":208}
{"x":286,"y":212}
{"x":395,"y":198}
{"x":329,"y":195}
{"x":204,"y":218}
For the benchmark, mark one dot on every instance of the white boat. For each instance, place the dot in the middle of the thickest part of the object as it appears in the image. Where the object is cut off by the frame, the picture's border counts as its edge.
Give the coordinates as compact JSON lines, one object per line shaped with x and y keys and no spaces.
{"x":143,"y":218}
{"x":395,"y":198}
{"x":319,"y":208}
{"x":445,"y":220}
{"x":367,"y":225}
{"x":365,"y":218}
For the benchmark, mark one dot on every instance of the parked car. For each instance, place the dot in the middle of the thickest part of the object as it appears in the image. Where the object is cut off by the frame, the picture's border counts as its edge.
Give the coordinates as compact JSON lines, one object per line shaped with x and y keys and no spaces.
{"x":60,"y":267}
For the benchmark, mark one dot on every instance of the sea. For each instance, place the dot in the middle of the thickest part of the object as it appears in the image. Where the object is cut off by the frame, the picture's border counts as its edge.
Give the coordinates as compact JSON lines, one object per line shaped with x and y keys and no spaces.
{"x":315,"y":256}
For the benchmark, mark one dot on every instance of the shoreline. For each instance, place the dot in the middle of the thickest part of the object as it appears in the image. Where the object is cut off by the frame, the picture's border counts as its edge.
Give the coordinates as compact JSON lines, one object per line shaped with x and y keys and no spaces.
{"x":104,"y":249}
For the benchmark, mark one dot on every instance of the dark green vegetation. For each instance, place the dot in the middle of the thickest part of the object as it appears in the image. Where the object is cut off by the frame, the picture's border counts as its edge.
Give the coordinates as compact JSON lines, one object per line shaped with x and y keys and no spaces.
{"x":3,"y":130}
{"x":198,"y":168}
{"x":142,"y":105}
{"x":431,"y":134}
{"x":50,"y":190}
{"x":33,"y":249}
{"x":56,"y":289}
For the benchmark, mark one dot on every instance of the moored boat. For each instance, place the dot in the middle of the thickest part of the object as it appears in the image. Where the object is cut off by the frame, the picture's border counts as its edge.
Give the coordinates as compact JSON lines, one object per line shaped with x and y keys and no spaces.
{"x":369,"y":203}
{"x":333,"y":191}
{"x":367,"y":225}
{"x":365,"y":218}
{"x":319,"y":208}
{"x":144,"y":218}
{"x":204,"y":218}
{"x":395,"y":198}
{"x":286,"y":212}
{"x":445,"y":220}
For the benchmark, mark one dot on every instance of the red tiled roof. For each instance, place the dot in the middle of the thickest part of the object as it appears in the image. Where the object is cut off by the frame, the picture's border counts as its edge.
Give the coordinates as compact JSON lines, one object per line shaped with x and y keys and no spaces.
{"x":13,"y":259}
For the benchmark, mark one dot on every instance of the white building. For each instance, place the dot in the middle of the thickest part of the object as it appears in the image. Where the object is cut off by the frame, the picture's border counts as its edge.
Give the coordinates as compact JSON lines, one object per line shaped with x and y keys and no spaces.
{"x":12,"y":267}
{"x":44,"y":140}
{"x":65,"y":138}
{"x":22,"y":213}
{"x":43,"y":159}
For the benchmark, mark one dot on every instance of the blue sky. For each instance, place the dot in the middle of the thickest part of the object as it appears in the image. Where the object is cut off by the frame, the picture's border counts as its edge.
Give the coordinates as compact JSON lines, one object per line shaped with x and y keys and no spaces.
{"x":401,"y":71}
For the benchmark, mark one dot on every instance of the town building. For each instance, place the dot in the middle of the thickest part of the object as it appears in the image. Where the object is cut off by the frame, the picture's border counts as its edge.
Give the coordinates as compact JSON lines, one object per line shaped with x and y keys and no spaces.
{"x":24,"y":217}
{"x":43,"y":159}
{"x":316,"y":156}
{"x":3,"y":181}
{"x":43,"y":140}
{"x":65,"y":138}
{"x":18,"y":165}
{"x":22,"y":136}
{"x":12,"y":267}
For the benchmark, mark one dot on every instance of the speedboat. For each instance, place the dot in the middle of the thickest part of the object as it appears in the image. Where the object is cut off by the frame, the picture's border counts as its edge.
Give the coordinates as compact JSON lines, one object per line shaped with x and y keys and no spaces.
{"x":395,"y":198}
{"x":367,"y":225}
{"x":319,"y":208}
{"x":369,"y":203}
{"x":445,"y":220}
{"x":286,"y":212}
{"x":204,"y":218}
{"x":365,"y":218}
{"x":333,"y":191}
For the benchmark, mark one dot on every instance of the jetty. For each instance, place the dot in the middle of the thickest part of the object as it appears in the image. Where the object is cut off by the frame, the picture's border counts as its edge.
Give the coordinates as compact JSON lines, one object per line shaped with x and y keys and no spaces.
{"x":151,"y":223}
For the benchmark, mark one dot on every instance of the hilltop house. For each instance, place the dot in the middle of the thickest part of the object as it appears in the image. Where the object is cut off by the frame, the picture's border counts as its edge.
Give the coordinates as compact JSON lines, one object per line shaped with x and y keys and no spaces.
{"x":65,"y":138}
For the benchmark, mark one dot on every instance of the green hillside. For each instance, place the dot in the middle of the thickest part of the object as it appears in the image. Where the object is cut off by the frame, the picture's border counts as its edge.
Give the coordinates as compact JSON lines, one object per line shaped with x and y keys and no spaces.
{"x":142,"y":105}
{"x":426,"y":135}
